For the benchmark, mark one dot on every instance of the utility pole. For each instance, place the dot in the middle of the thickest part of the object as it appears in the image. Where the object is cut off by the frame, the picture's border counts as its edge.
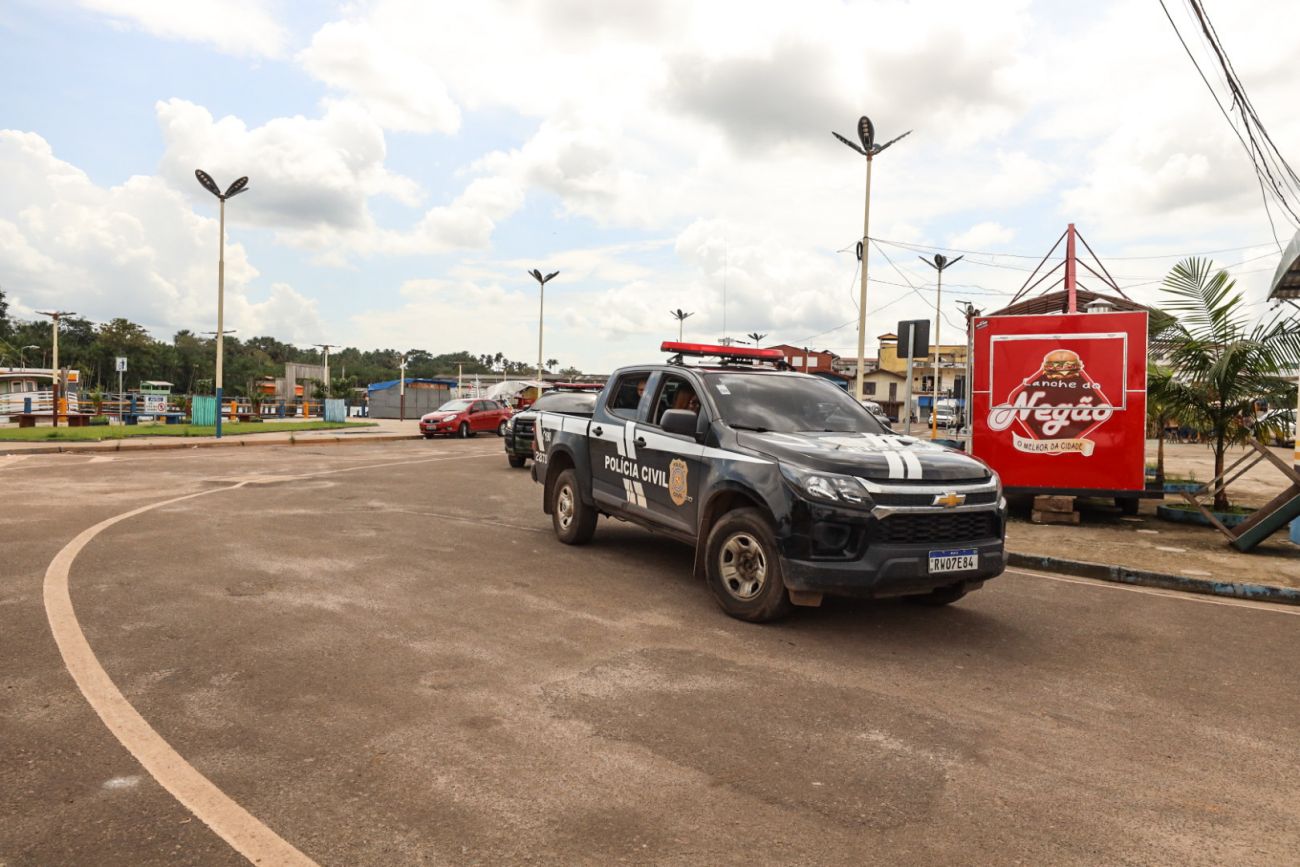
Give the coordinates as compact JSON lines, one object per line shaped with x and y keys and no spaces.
{"x":869,"y":149}
{"x":939,"y":264}
{"x":541,"y":309}
{"x":55,"y":316}
{"x":968,"y":394}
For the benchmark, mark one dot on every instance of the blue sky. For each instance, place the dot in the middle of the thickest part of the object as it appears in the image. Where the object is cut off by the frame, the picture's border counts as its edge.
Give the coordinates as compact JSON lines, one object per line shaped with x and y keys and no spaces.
{"x":409,"y":161}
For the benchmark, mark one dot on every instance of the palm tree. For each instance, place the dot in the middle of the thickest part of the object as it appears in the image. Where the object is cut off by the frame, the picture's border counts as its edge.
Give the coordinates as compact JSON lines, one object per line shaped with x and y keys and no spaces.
{"x":1220,"y":369}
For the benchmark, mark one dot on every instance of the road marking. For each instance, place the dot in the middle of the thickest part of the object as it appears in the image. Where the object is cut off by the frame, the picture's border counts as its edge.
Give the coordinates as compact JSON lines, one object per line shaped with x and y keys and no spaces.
{"x":1180,"y":595}
{"x":231,"y":822}
{"x":243,"y":831}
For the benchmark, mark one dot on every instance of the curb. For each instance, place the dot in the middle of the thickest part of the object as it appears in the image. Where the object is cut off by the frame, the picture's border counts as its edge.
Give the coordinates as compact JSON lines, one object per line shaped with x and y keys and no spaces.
{"x":1164,"y":581}
{"x":123,"y":445}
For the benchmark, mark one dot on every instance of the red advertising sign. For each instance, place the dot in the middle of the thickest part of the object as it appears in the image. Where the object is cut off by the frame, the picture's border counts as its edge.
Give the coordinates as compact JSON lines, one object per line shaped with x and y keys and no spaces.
{"x":1060,"y":400}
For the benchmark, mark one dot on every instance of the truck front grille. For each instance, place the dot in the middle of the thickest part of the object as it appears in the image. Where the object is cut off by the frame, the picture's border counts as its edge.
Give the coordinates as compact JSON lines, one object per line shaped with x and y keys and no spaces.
{"x":935,"y":528}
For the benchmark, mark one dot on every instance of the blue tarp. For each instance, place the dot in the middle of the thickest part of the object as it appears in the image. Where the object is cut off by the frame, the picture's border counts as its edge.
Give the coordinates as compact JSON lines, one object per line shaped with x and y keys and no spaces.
{"x":392,"y":383}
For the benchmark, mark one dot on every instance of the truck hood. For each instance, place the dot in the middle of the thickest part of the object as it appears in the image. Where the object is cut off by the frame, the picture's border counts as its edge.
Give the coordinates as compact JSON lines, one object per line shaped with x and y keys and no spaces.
{"x":881,"y":457}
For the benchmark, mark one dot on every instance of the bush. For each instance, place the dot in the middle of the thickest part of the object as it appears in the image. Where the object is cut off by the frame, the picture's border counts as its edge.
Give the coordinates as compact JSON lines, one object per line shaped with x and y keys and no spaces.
{"x":99,"y":421}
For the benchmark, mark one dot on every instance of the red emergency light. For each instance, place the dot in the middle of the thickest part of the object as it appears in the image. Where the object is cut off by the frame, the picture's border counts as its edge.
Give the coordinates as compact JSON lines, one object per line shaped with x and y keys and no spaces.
{"x":709,"y":350}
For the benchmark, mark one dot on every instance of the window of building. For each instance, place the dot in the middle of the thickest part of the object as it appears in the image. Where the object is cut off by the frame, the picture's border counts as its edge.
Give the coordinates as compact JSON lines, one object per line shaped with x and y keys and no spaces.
{"x":869,"y":388}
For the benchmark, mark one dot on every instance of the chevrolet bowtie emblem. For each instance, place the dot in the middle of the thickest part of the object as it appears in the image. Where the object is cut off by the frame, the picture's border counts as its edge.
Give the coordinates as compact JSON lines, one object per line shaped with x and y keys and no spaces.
{"x":949,"y":500}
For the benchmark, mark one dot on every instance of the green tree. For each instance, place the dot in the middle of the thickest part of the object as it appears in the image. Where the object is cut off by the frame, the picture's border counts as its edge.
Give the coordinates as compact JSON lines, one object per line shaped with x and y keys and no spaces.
{"x":1221,"y":368}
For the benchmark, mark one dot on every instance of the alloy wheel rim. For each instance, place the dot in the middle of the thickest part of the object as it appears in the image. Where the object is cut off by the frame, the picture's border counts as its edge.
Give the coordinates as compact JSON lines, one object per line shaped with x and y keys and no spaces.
{"x":564,"y":507}
{"x":743,"y":565}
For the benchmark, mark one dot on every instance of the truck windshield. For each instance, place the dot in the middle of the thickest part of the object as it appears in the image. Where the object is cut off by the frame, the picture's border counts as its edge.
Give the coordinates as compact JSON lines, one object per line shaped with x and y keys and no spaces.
{"x":788,"y":403}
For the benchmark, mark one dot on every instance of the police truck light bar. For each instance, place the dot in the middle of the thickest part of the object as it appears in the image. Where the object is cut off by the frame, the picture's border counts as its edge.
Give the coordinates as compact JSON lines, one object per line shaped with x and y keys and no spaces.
{"x":701,"y":350}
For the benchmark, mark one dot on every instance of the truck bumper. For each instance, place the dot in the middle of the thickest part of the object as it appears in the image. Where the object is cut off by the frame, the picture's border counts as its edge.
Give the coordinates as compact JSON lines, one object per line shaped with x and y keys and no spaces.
{"x":890,"y":570}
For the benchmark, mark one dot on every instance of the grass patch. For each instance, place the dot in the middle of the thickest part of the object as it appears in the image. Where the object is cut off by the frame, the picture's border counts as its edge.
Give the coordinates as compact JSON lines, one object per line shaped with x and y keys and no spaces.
{"x":117,"y":432}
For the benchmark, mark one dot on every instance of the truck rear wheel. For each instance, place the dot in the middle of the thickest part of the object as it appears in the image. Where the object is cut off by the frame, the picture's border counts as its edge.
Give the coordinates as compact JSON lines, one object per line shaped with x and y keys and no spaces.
{"x":743,"y":567}
{"x":574,"y":520}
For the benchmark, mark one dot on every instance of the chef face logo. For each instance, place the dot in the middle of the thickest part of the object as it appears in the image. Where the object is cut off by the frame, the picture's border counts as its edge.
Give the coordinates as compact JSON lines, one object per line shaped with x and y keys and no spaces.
{"x":677,"y":482}
{"x":1053,"y":410}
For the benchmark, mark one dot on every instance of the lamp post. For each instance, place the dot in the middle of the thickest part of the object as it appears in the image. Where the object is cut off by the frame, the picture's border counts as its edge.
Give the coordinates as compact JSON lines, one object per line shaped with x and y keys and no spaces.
{"x":401,"y":388}
{"x":541,"y":306}
{"x":22,"y":362}
{"x":869,"y":149}
{"x":681,"y":316}
{"x":55,"y":316}
{"x":756,"y":337}
{"x":326,"y":347}
{"x":939,"y":263}
{"x":236,"y":187}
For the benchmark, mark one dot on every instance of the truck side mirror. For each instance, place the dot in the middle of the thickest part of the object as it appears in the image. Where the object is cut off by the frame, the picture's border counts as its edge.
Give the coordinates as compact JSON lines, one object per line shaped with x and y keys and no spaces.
{"x":679,"y":421}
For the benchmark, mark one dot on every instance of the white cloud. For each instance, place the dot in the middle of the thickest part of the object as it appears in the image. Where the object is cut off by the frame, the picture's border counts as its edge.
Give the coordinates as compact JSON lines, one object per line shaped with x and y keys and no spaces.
{"x":136,"y":250}
{"x":401,"y":88}
{"x":238,"y":27}
{"x":987,"y":235}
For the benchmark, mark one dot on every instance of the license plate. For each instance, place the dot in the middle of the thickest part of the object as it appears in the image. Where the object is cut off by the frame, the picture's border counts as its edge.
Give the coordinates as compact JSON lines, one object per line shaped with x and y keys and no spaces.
{"x":957,"y":560}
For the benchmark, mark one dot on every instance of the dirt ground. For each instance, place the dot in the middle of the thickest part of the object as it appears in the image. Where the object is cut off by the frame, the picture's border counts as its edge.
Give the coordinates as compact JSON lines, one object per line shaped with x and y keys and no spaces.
{"x":1147,"y":542}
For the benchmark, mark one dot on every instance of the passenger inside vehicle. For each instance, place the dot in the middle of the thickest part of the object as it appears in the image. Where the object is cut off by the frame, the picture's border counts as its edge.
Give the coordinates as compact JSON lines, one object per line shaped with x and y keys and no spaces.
{"x":676,"y":393}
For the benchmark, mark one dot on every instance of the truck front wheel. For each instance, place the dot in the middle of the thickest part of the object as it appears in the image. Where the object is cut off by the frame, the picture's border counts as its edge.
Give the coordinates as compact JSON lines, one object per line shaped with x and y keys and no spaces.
{"x":744,"y":569}
{"x":574,"y":520}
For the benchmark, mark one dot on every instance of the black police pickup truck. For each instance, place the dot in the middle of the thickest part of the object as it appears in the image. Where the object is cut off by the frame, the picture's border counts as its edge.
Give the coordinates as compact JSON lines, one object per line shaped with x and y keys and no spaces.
{"x":787,"y":488}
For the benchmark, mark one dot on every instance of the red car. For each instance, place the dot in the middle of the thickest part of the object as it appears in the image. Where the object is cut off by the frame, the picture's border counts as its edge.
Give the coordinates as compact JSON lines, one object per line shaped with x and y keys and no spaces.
{"x":465,"y":418}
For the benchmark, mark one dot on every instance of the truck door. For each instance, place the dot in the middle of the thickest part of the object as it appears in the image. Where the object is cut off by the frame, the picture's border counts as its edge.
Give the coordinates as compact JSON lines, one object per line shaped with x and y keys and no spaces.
{"x":615,"y":470}
{"x":672,"y":465}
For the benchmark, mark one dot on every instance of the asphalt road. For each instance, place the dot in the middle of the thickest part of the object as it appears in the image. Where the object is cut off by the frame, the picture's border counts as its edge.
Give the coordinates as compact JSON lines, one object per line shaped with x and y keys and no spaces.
{"x":383,"y":656}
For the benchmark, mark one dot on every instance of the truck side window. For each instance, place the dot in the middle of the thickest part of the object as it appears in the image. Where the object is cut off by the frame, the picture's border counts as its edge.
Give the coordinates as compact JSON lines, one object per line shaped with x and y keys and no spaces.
{"x":626,"y":397}
{"x":675,"y":393}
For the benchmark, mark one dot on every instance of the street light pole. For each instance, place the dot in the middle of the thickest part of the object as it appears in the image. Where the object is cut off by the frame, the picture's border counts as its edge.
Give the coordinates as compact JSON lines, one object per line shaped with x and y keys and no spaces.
{"x":55,"y":316}
{"x":939,"y":264}
{"x":401,"y":389}
{"x":869,"y":149}
{"x":236,"y":187}
{"x":22,"y":362}
{"x":681,"y":316}
{"x":326,"y":347}
{"x":541,"y":308}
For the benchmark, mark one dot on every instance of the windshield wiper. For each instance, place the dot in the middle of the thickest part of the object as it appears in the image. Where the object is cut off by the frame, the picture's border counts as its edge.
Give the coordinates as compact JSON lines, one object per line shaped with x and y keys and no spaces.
{"x":748,"y":427}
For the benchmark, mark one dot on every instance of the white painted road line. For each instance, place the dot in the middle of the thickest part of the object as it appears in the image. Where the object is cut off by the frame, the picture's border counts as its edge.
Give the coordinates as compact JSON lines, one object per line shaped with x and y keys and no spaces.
{"x":245,"y":833}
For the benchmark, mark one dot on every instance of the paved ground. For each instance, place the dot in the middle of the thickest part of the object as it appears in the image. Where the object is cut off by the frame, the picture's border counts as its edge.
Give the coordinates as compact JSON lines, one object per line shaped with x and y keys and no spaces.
{"x":381,"y":653}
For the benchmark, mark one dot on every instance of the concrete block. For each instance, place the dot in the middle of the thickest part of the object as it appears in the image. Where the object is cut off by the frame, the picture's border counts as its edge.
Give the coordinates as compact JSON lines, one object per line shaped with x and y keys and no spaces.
{"x":1051,"y":503}
{"x":1039,"y":517}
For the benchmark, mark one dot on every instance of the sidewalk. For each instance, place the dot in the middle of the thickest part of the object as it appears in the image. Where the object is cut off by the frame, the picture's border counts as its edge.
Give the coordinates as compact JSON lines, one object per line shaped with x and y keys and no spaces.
{"x":383,"y":430}
{"x":1145,"y":543}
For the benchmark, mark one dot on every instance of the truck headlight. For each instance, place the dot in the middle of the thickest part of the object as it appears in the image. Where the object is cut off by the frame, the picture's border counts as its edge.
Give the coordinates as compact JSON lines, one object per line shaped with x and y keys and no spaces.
{"x":830,"y":487}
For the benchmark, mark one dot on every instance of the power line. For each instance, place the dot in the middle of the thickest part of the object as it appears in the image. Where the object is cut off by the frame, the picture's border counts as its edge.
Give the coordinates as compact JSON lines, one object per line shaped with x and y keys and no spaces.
{"x":908,"y":245}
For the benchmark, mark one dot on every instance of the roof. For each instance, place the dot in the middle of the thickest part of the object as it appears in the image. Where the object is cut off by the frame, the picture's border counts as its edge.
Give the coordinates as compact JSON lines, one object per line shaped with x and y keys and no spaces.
{"x":389,"y":383}
{"x":1058,"y":302}
{"x":1286,"y":280}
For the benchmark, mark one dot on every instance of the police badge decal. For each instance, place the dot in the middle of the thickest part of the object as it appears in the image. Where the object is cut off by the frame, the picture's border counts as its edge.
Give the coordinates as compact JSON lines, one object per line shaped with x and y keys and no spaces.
{"x":1057,"y":406}
{"x":677,"y":482}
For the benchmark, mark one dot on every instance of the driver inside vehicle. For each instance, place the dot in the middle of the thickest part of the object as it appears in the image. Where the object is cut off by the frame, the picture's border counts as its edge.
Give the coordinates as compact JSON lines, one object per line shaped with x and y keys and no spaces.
{"x":686,"y":399}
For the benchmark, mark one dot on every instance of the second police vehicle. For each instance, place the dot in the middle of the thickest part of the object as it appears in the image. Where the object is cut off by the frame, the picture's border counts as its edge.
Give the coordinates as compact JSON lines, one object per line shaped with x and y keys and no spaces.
{"x":787,"y":487}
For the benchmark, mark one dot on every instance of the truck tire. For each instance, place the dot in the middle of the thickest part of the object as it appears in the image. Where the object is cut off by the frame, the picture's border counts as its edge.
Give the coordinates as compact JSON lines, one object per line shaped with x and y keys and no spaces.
{"x":939,"y":596}
{"x":517,"y":461}
{"x":574,"y":520}
{"x":743,"y":568}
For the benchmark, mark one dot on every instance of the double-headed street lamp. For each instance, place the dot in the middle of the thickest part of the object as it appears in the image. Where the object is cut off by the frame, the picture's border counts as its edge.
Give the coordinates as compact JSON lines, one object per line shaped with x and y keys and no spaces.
{"x":681,"y":316}
{"x":55,"y":316}
{"x":231,"y":191}
{"x":541,"y":308}
{"x":939,"y":263}
{"x":869,"y":149}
